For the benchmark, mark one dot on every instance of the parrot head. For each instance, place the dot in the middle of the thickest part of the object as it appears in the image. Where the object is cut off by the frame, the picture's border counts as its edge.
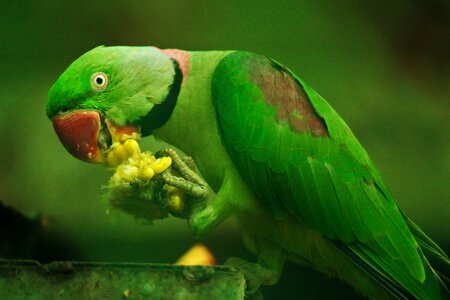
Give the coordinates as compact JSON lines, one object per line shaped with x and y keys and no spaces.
{"x":106,"y":93}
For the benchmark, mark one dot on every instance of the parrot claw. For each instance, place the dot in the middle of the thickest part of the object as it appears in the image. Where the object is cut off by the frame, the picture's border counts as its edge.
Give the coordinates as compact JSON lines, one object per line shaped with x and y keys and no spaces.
{"x":255,"y":275}
{"x":189,"y":161}
{"x":189,"y":182}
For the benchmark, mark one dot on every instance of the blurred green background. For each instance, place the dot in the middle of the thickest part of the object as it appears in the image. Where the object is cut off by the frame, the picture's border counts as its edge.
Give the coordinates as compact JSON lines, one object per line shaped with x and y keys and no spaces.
{"x":384,"y":66}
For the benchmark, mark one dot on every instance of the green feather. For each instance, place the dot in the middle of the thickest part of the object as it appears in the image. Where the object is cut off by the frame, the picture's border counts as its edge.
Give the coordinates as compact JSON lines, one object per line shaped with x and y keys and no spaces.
{"x":323,"y":178}
{"x":290,"y":147}
{"x":139,"y":78}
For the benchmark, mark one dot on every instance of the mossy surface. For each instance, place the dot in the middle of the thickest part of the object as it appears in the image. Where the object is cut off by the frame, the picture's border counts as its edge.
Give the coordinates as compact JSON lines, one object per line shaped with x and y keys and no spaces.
{"x":88,"y":280}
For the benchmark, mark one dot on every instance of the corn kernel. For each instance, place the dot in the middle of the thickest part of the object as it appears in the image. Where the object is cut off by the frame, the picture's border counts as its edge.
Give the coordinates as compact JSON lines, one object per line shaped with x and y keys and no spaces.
{"x":120,"y":152}
{"x":132,"y":147}
{"x":132,"y":164}
{"x":123,"y":137}
{"x":148,"y":173}
{"x":161,"y":164}
{"x":112,"y":159}
{"x":176,"y":202}
{"x":147,"y":159}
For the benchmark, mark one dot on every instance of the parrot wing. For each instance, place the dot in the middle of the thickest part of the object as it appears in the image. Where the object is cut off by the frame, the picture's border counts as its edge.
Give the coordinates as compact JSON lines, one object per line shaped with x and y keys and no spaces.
{"x":300,"y":158}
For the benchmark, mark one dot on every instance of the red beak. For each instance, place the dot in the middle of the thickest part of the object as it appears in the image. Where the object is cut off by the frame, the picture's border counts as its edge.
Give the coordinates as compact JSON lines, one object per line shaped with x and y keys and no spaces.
{"x":86,"y":137}
{"x":79,"y":131}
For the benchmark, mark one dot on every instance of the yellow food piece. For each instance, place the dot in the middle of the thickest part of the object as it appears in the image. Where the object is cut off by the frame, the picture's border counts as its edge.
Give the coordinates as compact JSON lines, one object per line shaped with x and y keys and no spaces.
{"x":148,"y":173}
{"x":176,"y":202}
{"x":126,"y":293}
{"x":175,"y":198}
{"x":161,"y":164}
{"x":112,"y":159}
{"x":197,"y":255}
{"x":131,"y":164}
{"x":132,"y":147}
{"x":120,"y":152}
{"x":127,"y":172}
{"x":146,"y":159}
{"x":124,"y":137}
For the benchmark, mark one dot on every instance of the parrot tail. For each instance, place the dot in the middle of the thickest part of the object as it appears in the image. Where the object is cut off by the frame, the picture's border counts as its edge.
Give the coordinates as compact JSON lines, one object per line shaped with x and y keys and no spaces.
{"x":435,"y":262}
{"x":438,"y":261}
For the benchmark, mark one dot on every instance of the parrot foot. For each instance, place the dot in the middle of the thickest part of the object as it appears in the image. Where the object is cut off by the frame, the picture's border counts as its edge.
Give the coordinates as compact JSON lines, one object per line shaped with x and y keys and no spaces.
{"x":189,"y":182}
{"x":255,"y":275}
{"x":202,"y":221}
{"x":189,"y":161}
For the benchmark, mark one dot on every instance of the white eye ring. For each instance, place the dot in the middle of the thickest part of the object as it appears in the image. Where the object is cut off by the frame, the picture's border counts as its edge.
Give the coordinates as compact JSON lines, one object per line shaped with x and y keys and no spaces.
{"x":99,"y":81}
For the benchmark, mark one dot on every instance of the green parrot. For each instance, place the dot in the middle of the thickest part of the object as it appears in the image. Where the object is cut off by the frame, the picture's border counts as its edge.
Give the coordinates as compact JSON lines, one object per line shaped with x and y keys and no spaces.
{"x":277,"y":155}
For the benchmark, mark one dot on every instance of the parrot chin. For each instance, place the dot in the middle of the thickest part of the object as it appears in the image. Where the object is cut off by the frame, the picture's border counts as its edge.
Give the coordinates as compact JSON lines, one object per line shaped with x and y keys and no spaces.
{"x":88,"y":136}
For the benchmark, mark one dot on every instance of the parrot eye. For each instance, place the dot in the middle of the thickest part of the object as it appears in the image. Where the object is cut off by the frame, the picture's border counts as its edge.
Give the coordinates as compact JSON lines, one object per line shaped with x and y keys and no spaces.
{"x":99,"y":81}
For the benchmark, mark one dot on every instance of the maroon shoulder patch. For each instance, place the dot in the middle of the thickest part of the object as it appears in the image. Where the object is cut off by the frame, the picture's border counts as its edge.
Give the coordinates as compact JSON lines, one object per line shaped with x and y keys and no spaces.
{"x":282,"y":91}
